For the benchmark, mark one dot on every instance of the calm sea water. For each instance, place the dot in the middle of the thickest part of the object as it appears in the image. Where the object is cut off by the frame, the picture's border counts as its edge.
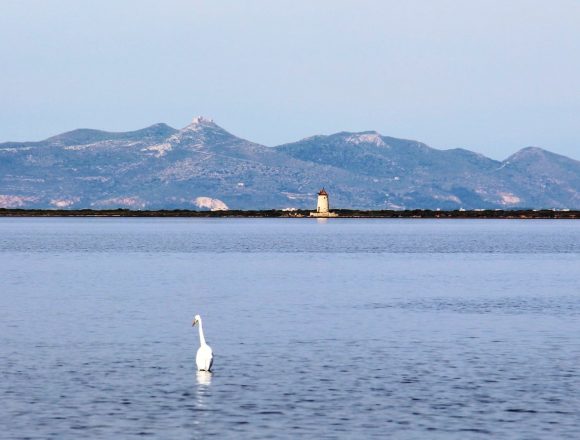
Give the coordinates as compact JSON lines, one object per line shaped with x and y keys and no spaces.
{"x":406,"y":329}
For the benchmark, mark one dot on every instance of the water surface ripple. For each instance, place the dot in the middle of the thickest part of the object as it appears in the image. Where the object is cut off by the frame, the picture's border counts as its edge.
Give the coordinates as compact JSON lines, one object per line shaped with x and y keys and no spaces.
{"x":408,"y":329}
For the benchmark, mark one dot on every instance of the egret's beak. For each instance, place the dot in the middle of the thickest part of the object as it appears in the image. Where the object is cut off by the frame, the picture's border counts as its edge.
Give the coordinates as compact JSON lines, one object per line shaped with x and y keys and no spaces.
{"x":194,"y":322}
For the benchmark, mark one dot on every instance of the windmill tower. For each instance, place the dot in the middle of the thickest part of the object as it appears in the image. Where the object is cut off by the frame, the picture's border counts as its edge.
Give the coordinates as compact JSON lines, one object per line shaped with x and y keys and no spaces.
{"x":322,"y":206}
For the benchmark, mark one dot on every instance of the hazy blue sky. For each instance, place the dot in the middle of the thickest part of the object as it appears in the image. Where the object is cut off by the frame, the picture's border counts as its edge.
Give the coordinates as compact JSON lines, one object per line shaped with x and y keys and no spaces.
{"x":492,"y":76}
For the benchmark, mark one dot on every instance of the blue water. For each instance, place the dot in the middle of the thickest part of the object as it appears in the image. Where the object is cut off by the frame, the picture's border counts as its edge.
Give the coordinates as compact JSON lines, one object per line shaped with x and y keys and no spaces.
{"x":407,"y":329}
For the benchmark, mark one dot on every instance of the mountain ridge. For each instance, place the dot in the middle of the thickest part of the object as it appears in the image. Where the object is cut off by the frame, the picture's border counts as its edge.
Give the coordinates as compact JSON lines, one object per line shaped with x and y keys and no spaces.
{"x":160,"y":167}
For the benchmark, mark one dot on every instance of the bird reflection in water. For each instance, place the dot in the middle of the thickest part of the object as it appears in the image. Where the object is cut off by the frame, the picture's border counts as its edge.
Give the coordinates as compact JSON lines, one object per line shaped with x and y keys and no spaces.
{"x":202,"y":393}
{"x":204,"y":378}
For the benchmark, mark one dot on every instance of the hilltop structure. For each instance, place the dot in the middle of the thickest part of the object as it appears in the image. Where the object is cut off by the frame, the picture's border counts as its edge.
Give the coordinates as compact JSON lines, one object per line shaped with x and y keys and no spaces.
{"x":322,"y":206}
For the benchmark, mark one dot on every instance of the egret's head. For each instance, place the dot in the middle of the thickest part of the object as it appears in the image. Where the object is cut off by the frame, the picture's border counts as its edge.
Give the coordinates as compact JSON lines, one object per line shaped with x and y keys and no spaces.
{"x":196,"y":319}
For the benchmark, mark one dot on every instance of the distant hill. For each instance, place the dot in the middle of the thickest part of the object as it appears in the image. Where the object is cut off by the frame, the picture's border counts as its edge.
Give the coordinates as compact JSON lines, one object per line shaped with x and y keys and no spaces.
{"x":204,"y":166}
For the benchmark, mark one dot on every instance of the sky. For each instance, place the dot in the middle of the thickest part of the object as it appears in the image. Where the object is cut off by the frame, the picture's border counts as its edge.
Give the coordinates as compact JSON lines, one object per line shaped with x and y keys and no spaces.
{"x":492,"y":76}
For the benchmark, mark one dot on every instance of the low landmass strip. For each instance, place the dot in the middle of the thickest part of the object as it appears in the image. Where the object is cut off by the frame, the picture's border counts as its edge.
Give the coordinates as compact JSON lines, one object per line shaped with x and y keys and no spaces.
{"x":276,"y":213}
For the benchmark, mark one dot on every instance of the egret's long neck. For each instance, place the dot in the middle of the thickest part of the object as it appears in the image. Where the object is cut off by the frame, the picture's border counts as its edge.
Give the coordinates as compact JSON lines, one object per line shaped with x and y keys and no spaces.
{"x":201,"y":336}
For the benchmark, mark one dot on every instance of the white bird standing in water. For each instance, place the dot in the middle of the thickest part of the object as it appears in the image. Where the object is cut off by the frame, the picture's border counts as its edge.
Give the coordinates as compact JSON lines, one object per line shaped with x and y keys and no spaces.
{"x":204,"y":357}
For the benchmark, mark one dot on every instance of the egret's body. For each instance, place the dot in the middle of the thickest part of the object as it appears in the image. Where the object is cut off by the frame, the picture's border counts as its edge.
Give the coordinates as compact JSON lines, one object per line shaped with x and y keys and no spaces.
{"x":204,"y":357}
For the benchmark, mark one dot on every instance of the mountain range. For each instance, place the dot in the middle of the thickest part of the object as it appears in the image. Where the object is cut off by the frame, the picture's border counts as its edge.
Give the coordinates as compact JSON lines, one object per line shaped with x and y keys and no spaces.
{"x":202,"y":166}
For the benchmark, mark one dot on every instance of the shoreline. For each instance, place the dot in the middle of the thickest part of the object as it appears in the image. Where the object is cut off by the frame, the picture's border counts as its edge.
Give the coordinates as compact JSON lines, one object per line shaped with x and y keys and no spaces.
{"x":274,"y":213}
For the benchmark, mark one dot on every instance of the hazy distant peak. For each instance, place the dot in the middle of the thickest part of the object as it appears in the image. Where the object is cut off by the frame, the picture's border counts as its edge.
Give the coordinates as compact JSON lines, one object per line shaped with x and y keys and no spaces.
{"x":78,"y":136}
{"x":156,"y":130}
{"x":204,"y":132}
{"x":203,"y":128}
{"x":466,"y":152}
{"x":366,"y":137}
{"x":529,"y":151}
{"x":554,"y":172}
{"x":200,"y":122}
{"x":535,"y":153}
{"x":315,"y":137}
{"x":82,"y":136}
{"x":160,"y":126}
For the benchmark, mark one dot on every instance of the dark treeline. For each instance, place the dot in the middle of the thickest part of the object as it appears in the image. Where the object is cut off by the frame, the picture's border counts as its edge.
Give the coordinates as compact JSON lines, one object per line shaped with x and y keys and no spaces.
{"x":488,"y":213}
{"x":273,"y":213}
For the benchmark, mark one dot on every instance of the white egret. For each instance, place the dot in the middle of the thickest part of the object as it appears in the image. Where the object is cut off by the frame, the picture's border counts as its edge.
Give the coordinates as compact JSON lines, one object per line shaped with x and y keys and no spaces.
{"x":204,"y":357}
